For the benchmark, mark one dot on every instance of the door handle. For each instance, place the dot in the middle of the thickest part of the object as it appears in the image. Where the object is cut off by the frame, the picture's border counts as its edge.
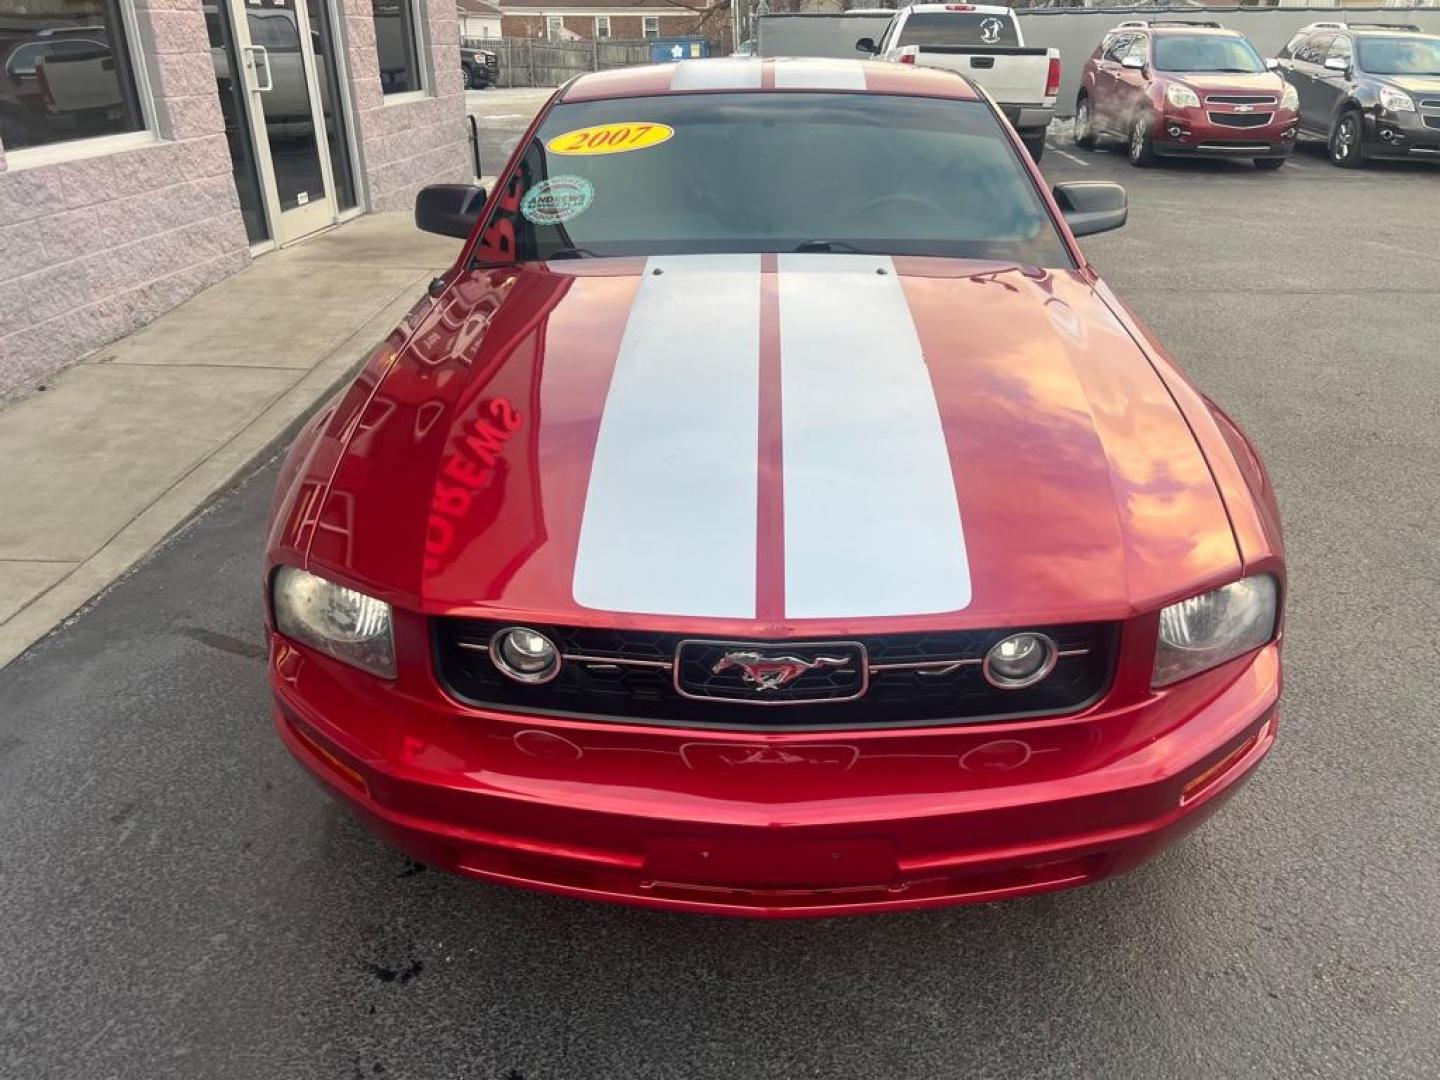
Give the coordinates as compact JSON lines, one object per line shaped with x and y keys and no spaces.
{"x":263,"y":54}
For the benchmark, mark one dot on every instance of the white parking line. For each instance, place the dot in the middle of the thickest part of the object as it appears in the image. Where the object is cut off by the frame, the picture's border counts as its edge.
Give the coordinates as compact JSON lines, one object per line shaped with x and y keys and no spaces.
{"x":1069,"y":157}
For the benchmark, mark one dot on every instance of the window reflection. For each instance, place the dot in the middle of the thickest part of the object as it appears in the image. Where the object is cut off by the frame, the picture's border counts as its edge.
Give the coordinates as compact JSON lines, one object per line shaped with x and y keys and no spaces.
{"x":395,"y":45}
{"x":64,"y":73}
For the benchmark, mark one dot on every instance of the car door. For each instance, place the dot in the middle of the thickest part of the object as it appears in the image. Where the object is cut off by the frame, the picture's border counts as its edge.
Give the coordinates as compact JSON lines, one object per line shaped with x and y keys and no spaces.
{"x":1331,"y":86}
{"x":1132,"y":84}
{"x":1106,"y":87}
{"x":1305,"y":74}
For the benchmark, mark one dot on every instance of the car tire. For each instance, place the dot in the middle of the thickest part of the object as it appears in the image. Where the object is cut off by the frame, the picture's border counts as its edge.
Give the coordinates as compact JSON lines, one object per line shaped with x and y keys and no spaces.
{"x":472,"y":81}
{"x":1347,"y":141}
{"x":1084,"y":124}
{"x":1141,"y":144}
{"x":1270,"y":162}
{"x":1036,"y":146}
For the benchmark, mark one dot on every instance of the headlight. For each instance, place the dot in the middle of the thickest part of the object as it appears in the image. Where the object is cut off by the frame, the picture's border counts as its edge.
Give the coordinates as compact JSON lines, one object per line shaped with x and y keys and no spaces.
{"x":1290,"y":98}
{"x":1214,"y":627}
{"x":1395,"y":100}
{"x":1182,"y":97}
{"x":348,"y":625}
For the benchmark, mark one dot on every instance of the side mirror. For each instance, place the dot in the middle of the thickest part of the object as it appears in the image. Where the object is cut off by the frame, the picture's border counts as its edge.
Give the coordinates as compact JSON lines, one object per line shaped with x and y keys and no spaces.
{"x":867,"y":45}
{"x":1092,"y":206}
{"x":449,"y":209}
{"x":1135,"y":63}
{"x":1272,"y":64}
{"x":1337,"y":63}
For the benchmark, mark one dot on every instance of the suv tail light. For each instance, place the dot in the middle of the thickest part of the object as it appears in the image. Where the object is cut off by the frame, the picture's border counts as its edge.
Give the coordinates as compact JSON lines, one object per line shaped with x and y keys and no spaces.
{"x":907,"y":56}
{"x":1052,"y":80}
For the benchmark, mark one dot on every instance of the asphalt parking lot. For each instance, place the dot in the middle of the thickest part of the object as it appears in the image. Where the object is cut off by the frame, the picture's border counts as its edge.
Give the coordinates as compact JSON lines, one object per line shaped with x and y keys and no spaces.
{"x":178,"y":899}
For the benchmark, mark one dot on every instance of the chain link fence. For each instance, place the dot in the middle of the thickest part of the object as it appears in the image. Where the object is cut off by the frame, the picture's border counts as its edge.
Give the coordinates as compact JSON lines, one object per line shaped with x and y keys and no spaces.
{"x":527,"y":62}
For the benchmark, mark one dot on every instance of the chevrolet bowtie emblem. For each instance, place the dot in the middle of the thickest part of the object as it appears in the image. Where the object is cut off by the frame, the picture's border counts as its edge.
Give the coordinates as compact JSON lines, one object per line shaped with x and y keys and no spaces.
{"x":771,"y":672}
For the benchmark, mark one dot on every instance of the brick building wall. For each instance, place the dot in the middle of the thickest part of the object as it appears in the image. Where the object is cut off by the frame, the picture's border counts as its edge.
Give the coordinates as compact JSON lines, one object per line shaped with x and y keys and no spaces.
{"x":622,"y":27}
{"x":95,"y":247}
{"x":406,"y":145}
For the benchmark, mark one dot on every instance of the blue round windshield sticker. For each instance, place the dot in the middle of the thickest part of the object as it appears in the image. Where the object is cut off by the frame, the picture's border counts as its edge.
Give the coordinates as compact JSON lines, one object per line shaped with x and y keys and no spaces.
{"x":557,"y":200}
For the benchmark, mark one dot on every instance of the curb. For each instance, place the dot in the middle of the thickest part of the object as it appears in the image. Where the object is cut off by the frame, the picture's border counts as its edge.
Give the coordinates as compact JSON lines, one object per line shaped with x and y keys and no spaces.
{"x":255,"y":441}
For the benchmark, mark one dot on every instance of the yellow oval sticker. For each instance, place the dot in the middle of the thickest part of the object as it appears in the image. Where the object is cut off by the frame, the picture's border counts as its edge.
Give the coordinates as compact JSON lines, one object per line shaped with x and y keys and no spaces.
{"x":611,"y":138}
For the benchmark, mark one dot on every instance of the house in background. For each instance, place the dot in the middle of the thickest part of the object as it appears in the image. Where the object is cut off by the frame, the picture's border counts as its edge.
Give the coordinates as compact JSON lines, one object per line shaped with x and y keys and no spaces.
{"x":478,"y":20}
{"x":626,"y":20}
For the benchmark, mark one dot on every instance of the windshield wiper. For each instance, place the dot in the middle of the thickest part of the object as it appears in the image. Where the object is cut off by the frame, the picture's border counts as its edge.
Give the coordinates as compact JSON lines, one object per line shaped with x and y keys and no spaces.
{"x":571,"y":253}
{"x":830,"y":245}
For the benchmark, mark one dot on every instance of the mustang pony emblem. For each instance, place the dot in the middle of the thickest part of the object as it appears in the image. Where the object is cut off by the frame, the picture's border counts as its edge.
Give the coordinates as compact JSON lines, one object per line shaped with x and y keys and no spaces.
{"x":772,"y":672}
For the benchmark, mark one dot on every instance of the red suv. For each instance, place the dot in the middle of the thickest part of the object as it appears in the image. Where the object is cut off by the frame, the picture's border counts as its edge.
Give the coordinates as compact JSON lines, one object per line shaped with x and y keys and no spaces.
{"x":1185,"y":89}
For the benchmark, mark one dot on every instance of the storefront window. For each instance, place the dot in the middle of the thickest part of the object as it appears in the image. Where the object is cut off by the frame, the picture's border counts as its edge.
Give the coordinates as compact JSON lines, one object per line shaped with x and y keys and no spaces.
{"x":65,"y":73}
{"x":395,"y":42}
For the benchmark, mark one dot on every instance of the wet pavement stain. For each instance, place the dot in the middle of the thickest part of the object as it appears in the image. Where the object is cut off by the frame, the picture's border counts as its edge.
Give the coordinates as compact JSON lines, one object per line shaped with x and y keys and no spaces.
{"x":392,"y":975}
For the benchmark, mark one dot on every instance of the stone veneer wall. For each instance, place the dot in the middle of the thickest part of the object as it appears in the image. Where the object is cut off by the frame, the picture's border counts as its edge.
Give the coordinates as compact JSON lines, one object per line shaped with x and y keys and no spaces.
{"x":94,"y":248}
{"x":407,"y":144}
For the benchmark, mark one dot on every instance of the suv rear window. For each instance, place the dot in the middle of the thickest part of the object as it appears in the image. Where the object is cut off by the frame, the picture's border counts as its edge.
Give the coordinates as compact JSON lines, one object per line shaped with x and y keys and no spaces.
{"x":929,"y":29}
{"x":757,"y":172}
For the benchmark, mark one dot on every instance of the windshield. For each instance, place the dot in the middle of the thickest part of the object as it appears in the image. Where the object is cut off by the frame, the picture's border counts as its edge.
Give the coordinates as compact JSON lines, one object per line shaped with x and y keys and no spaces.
{"x":1206,"y":52}
{"x":755,"y":172}
{"x":931,"y":28}
{"x":1400,"y":56}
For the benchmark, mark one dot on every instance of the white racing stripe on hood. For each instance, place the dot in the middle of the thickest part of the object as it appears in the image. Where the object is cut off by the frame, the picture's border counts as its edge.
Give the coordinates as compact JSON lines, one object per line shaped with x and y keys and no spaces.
{"x":670,"y":517}
{"x":872,"y":523}
{"x":736,"y":73}
{"x":813,"y":75}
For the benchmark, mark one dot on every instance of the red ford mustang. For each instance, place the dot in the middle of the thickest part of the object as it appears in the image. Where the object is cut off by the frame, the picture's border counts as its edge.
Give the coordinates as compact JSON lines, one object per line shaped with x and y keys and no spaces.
{"x":772,"y":513}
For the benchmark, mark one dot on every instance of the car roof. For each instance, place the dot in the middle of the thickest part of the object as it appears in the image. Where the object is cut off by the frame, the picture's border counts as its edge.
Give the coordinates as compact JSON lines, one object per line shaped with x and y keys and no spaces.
{"x":983,"y":9}
{"x":1193,"y":31}
{"x":1390,"y":30}
{"x":1173,"y":26}
{"x":766,"y":74}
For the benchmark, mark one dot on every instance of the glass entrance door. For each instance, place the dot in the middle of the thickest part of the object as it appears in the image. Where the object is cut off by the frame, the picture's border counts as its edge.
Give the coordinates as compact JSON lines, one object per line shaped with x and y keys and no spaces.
{"x":277,"y":46}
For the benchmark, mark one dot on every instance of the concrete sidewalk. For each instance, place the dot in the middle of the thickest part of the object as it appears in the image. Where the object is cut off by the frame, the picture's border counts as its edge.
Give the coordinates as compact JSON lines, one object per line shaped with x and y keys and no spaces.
{"x":124,"y":447}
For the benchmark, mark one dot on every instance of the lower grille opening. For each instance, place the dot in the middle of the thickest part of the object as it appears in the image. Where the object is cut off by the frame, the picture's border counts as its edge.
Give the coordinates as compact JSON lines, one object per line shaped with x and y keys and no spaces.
{"x":1241,"y":120}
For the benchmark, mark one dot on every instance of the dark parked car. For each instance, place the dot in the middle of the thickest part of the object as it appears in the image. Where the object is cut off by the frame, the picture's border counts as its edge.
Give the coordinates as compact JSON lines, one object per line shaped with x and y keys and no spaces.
{"x":482,"y":68}
{"x":1370,"y":90}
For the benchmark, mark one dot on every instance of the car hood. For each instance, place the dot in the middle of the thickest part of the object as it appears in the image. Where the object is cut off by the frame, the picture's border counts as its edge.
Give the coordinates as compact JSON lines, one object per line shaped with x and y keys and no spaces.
{"x":1261,"y":82}
{"x":763,"y":443}
{"x":1420,"y":85}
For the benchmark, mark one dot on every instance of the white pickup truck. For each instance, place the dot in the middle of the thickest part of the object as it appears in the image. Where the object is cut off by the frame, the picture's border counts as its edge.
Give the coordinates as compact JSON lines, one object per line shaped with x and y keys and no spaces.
{"x":986,"y":44}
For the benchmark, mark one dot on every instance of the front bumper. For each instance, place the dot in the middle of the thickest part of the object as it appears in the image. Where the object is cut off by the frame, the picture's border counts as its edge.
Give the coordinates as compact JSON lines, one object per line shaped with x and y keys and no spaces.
{"x":777,"y":826}
{"x":1191,"y":132}
{"x":1412,"y":135}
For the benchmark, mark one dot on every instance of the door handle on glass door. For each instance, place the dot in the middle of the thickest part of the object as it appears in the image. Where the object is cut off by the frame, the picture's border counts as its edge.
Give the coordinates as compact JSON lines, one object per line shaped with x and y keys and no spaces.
{"x":264,"y":55}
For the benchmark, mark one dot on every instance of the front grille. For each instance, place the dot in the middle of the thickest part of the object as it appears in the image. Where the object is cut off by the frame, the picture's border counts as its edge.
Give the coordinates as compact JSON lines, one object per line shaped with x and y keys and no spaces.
{"x":907,"y":679}
{"x":1241,"y":99}
{"x":1432,"y":121}
{"x":1241,"y":120}
{"x":1430,"y":103}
